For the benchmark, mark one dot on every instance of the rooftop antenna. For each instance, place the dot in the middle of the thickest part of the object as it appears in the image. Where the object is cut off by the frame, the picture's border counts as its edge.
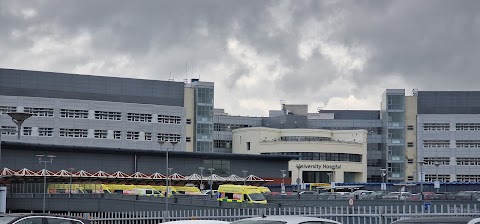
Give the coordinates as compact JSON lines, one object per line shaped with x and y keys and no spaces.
{"x":414,"y":92}
{"x":186,"y":73}
{"x":283,"y":106}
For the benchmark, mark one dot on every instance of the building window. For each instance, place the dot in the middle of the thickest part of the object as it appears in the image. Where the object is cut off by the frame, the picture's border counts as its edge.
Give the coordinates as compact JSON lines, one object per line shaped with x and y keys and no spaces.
{"x":45,"y":132}
{"x":410,"y":127}
{"x":133,"y":135}
{"x":9,"y":130}
{"x":148,"y":136}
{"x":433,"y":160}
{"x":248,"y":146}
{"x":324,"y":156}
{"x":410,"y":161}
{"x":188,"y":139}
{"x":7,"y":109}
{"x":117,"y":135}
{"x":436,"y":127}
{"x":462,"y":161}
{"x":167,"y":119}
{"x":409,"y":144}
{"x":73,"y":133}
{"x":27,"y":131}
{"x":168,"y":137}
{"x":433,"y":177}
{"x":222,"y":167}
{"x":39,"y":112}
{"x":81,"y":114}
{"x":189,"y":121}
{"x":410,"y":178}
{"x":467,"y":126}
{"x":139,"y":117}
{"x":468,"y":143}
{"x":100,"y":133}
{"x":395,"y":102}
{"x":222,"y":144}
{"x":108,"y":115}
{"x":468,"y":178}
{"x":436,"y":143}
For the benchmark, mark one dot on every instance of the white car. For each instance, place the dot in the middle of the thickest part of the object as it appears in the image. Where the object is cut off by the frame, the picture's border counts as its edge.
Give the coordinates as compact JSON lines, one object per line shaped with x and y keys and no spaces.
{"x":285,"y":219}
{"x":198,"y":222}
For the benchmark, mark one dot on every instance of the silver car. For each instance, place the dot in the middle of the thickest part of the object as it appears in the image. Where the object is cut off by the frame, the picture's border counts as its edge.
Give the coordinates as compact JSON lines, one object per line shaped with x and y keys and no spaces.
{"x":285,"y":219}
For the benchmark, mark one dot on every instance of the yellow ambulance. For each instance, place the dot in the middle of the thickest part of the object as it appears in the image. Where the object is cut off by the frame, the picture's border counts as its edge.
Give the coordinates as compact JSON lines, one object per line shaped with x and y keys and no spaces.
{"x":240,"y":193}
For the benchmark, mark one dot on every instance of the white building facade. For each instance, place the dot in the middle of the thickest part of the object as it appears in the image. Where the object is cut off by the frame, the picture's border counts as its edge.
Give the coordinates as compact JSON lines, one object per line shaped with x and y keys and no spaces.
{"x":324,"y":155}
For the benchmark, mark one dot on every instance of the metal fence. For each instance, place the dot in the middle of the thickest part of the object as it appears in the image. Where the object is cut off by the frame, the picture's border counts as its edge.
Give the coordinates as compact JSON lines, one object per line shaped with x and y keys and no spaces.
{"x":343,"y":214}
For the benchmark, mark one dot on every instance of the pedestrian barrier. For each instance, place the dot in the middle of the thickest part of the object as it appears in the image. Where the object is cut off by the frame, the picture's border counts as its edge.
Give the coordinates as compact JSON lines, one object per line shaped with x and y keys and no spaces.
{"x":343,"y":214}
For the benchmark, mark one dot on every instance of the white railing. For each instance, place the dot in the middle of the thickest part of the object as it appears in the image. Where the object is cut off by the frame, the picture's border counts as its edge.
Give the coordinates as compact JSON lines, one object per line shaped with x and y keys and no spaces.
{"x":343,"y":214}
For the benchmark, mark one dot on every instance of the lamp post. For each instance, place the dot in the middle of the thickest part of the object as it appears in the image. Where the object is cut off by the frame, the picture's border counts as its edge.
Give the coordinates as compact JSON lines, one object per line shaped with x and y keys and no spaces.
{"x":40,"y":161}
{"x":167,"y":169}
{"x":437,"y":183}
{"x":298,"y":181}
{"x":244,"y":177}
{"x":384,"y":179}
{"x":201,"y":177}
{"x":70,"y":183}
{"x":161,"y":142}
{"x":211,"y":181}
{"x":421,"y":178}
{"x":18,"y":118}
{"x":330,"y":181}
{"x":283,"y":181}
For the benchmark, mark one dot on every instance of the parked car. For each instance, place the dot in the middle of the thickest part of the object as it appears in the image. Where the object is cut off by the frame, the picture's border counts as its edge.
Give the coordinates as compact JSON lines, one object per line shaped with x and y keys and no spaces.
{"x":197,"y":222}
{"x":467,"y":195}
{"x":442,"y":220}
{"x":397,"y":196}
{"x":308,"y":192}
{"x":329,"y":195}
{"x":426,"y":196}
{"x":374,"y":196}
{"x":444,"y":196}
{"x":34,"y":218}
{"x":284,"y":219}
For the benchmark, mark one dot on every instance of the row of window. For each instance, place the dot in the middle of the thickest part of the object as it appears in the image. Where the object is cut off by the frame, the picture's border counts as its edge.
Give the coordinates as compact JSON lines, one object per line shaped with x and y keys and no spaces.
{"x":433,"y":177}
{"x":436,"y":160}
{"x":99,"y":115}
{"x":460,"y":161}
{"x":446,"y":144}
{"x":100,"y":134}
{"x":468,"y":178}
{"x":228,"y":127}
{"x":322,"y":156}
{"x":446,"y":126}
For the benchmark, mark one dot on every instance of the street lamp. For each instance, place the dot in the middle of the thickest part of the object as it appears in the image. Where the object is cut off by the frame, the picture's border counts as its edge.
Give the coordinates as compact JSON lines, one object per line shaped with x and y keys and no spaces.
{"x":18,"y":118}
{"x":437,"y":183}
{"x":330,"y":181}
{"x":244,"y":177}
{"x":211,"y":181}
{"x":70,"y":183}
{"x":298,"y":181}
{"x":201,"y":177}
{"x":421,"y":178}
{"x":384,"y":179}
{"x":283,"y":181}
{"x":40,"y":161}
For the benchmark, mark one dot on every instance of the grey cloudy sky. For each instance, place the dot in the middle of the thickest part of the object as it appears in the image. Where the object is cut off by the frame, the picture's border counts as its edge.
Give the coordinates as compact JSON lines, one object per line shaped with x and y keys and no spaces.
{"x":330,"y":54}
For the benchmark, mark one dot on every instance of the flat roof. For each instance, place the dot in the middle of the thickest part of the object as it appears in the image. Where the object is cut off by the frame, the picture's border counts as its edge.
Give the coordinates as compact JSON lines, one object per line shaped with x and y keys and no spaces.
{"x":127,"y":151}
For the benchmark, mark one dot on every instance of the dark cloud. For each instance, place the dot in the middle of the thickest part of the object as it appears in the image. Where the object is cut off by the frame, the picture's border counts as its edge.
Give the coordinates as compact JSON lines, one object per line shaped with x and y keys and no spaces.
{"x":257,"y":52}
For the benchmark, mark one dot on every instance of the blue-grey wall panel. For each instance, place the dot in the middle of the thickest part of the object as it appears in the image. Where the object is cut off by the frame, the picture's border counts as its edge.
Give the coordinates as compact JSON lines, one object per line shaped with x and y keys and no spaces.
{"x":86,"y":87}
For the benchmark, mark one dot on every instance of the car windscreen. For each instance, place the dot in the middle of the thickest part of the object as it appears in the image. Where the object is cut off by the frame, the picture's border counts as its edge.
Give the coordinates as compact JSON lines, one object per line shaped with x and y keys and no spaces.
{"x":258,"y":222}
{"x":5,"y":220}
{"x":257,"y":197}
